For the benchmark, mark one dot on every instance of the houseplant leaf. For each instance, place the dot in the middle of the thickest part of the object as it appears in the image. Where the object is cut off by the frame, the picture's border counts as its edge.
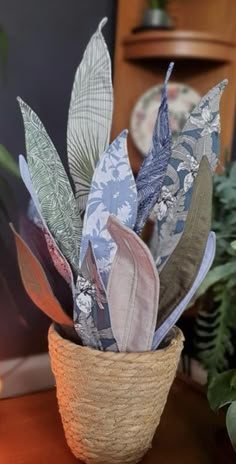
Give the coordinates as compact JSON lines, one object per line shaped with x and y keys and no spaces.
{"x":55,"y":196}
{"x":218,"y":273}
{"x":90,"y":114}
{"x":231,"y":423}
{"x":8,"y":163}
{"x":222,"y":389}
{"x":152,"y":172}
{"x":113,"y":191}
{"x":133,"y":290}
{"x":36,"y":283}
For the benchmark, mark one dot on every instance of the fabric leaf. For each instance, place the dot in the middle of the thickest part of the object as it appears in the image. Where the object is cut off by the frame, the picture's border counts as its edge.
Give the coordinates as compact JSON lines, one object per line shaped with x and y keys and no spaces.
{"x":35,"y":239}
{"x":151,"y":175}
{"x":199,"y":137}
{"x":55,"y":196}
{"x":183,"y":265}
{"x":101,"y":313}
{"x":113,"y":191}
{"x":36,"y":283}
{"x":58,"y":259}
{"x":173,"y":316}
{"x":133,"y":290}
{"x":90,"y":115}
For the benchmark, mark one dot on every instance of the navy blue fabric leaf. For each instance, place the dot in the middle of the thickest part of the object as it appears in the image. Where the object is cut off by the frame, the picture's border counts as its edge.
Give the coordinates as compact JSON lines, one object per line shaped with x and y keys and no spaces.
{"x":152,"y":172}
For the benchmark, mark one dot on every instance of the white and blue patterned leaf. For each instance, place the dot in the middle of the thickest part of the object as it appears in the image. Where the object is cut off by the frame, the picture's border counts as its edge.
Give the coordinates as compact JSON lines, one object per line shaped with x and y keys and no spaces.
{"x":198,"y":138}
{"x":113,"y":191}
{"x":207,"y":261}
{"x":100,"y":313}
{"x":90,"y":115}
{"x":55,"y":196}
{"x":84,"y":302}
{"x":60,"y":263}
{"x":152,"y":172}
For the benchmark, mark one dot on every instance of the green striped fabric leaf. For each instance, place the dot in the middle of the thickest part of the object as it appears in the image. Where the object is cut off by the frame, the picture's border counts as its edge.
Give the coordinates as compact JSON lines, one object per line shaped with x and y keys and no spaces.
{"x":90,"y":114}
{"x":57,"y":203}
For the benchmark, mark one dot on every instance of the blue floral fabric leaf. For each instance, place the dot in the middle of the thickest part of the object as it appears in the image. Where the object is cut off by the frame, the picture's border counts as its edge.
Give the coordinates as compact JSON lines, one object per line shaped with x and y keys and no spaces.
{"x":113,"y":191}
{"x":198,"y":138}
{"x":99,"y":304}
{"x":151,"y":175}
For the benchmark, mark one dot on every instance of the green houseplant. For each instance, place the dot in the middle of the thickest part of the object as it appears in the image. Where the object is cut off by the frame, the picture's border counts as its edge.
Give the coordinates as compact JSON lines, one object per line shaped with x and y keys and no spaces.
{"x":156,"y":16}
{"x":216,"y":326}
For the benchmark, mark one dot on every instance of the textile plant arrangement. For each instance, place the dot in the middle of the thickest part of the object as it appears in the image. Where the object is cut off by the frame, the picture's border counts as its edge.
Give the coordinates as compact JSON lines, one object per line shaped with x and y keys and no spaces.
{"x":114,"y":346}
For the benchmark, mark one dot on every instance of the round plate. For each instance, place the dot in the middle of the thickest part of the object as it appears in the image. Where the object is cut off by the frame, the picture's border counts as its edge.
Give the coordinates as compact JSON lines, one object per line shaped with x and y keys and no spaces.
{"x":181,"y":101}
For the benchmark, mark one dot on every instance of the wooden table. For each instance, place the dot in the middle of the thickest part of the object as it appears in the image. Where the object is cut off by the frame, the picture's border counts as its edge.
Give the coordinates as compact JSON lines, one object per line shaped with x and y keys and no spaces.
{"x":31,"y":431}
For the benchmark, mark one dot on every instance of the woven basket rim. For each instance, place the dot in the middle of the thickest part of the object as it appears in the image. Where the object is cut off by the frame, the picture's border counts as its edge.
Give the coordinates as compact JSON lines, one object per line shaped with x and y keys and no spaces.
{"x":116,"y":356}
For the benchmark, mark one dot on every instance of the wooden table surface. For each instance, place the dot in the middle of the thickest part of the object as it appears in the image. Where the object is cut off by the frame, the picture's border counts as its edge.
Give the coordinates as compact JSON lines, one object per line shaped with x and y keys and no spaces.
{"x":189,"y":433}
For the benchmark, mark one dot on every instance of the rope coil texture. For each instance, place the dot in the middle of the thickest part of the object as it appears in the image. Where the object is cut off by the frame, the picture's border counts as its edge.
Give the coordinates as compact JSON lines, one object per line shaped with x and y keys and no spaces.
{"x":111,"y":403}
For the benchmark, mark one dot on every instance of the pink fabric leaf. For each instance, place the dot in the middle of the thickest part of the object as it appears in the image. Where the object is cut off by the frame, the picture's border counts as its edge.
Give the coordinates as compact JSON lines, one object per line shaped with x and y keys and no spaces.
{"x":133,"y":290}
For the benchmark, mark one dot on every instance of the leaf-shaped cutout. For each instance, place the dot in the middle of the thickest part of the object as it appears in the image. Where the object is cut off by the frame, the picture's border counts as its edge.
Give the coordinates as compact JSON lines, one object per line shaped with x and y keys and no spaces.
{"x":173,"y":317}
{"x":55,"y":196}
{"x":197,"y":139}
{"x":113,"y":191}
{"x":90,"y":114}
{"x":133,"y":290}
{"x":152,"y":172}
{"x":183,"y":265}
{"x":60,"y":263}
{"x":101,"y":313}
{"x":36,"y":283}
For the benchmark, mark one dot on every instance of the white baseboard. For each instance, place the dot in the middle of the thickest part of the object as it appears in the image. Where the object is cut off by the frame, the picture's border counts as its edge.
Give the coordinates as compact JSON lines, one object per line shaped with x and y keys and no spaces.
{"x":24,"y":375}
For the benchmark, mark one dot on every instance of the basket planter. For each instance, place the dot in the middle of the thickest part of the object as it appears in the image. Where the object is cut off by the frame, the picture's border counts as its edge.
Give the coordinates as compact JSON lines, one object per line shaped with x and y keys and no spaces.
{"x":111,"y":403}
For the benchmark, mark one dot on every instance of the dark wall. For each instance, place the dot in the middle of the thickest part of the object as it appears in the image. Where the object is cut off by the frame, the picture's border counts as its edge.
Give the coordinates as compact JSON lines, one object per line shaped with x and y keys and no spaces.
{"x":46,"y":41}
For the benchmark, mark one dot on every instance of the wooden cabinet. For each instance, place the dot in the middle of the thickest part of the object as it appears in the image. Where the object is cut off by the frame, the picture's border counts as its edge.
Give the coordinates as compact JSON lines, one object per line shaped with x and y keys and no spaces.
{"x":203,"y":45}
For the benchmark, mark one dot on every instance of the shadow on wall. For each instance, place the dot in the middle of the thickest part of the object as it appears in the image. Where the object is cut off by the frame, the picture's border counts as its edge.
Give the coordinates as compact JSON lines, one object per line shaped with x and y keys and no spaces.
{"x":46,"y":41}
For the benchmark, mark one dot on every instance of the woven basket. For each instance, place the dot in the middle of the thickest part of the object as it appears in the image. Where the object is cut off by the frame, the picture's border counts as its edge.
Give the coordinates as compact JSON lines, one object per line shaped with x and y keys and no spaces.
{"x":111,"y":403}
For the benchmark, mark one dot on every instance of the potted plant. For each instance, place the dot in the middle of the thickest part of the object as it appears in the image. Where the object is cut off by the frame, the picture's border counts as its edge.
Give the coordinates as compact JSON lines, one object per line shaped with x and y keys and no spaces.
{"x":156,"y":16}
{"x":215,"y":326}
{"x":222,"y":392}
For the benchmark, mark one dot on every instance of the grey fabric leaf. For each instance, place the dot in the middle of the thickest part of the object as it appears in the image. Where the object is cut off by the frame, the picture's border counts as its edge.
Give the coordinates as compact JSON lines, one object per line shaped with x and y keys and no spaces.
{"x":90,"y":114}
{"x":55,"y":196}
{"x":180,"y":271}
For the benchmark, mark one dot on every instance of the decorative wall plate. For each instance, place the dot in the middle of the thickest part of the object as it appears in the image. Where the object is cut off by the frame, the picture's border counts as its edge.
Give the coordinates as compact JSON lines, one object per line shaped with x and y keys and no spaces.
{"x":181,"y":100}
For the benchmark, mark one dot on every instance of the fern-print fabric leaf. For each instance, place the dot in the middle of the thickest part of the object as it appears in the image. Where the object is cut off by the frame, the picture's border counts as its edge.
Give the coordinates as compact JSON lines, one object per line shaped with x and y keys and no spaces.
{"x":90,"y":114}
{"x":152,"y":172}
{"x":59,"y":261}
{"x":101,"y":313}
{"x":113,"y":191}
{"x":133,"y":290}
{"x":55,"y":196}
{"x":200,"y":137}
